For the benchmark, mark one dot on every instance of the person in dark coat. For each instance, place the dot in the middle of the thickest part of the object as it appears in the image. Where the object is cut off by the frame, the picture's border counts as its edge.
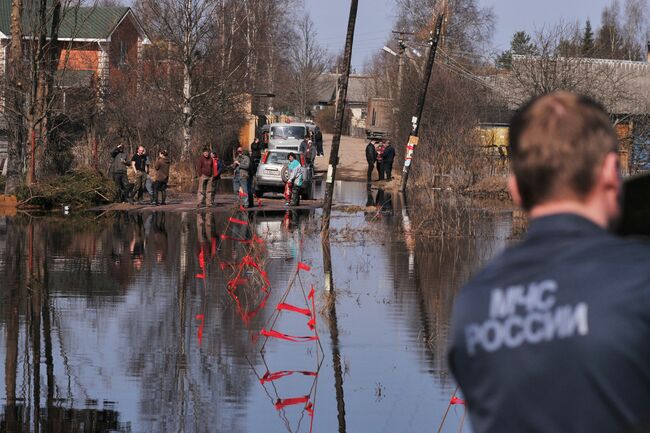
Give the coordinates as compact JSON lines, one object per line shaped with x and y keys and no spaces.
{"x":380,"y":161}
{"x":567,"y":308}
{"x":118,"y":169}
{"x":371,"y":157}
{"x":160,"y":178}
{"x":318,"y":138}
{"x":389,"y":156}
{"x":256,"y":152}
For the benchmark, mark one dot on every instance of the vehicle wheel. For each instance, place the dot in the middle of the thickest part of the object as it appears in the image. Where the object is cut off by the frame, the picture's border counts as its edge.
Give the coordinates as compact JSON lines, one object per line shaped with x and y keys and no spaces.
{"x":284,"y":174}
{"x":259,"y":192}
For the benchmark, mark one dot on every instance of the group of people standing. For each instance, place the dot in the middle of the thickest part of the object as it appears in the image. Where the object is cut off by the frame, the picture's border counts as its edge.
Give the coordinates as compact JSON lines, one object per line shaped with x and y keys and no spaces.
{"x":380,"y":154}
{"x":136,"y":175}
{"x":209,"y":168}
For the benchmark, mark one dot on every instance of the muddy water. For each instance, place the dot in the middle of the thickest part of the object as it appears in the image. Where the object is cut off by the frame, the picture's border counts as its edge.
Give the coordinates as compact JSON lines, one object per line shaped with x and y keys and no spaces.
{"x":128,"y":322}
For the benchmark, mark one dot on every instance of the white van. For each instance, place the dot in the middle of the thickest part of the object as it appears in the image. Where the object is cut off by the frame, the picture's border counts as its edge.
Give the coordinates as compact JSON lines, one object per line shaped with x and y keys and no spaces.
{"x":286,"y":136}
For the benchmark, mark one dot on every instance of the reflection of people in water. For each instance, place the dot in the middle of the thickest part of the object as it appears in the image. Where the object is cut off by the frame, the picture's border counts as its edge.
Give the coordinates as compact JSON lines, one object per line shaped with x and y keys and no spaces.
{"x":136,"y":247}
{"x":370,"y":201}
{"x":159,"y":236}
{"x":384,"y":202}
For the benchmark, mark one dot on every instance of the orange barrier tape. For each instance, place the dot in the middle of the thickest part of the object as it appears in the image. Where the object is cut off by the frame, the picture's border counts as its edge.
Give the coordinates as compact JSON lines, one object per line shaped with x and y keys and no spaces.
{"x":303,"y":267}
{"x":456,"y":400}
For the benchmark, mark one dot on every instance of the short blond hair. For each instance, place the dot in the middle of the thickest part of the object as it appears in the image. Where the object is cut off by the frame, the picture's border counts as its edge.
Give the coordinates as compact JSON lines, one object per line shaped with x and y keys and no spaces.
{"x":557,"y":143}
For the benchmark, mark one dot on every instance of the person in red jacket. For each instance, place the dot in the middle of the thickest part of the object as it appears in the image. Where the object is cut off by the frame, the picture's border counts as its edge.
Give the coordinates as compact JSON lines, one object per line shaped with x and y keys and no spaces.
{"x":204,"y":171}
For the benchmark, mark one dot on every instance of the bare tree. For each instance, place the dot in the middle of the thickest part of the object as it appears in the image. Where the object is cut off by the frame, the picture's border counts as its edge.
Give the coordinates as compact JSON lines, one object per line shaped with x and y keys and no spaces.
{"x":187,"y":25}
{"x":308,"y":62}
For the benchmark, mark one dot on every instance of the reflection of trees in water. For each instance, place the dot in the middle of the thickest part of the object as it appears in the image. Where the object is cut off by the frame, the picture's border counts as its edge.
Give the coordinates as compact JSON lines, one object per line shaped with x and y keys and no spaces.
{"x":184,"y":388}
{"x":450,"y":240}
{"x":26,"y":312}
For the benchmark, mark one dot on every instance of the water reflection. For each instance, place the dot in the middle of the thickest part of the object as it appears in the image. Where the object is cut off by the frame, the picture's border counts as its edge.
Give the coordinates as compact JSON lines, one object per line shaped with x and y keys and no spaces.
{"x":151,"y":321}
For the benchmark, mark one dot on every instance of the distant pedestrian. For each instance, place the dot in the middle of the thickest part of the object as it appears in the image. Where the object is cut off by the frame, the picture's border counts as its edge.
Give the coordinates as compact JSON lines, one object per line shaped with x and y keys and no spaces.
{"x":309,"y":153}
{"x":140,"y":169}
{"x":380,"y":161}
{"x":204,"y":171}
{"x":256,"y":152}
{"x":118,"y":170}
{"x":371,"y":157}
{"x":303,"y":145}
{"x":388,"y":157}
{"x":217,"y":169}
{"x":160,"y":178}
{"x":318,"y":138}
{"x":240,"y":180}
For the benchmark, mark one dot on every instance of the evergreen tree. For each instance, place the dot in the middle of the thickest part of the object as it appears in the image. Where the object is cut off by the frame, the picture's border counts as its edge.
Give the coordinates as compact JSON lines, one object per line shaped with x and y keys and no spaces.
{"x":520,"y":44}
{"x":587,"y":45}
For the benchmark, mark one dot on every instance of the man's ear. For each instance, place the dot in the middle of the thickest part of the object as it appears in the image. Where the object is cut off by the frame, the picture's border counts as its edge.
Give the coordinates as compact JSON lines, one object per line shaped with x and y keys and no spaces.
{"x":610,"y":172}
{"x":514,"y":190}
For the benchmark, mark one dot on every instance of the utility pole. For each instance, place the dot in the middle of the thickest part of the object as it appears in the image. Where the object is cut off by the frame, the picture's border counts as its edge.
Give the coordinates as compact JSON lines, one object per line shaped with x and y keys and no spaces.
{"x":342,"y":93}
{"x":401,"y":43}
{"x":415,"y":121}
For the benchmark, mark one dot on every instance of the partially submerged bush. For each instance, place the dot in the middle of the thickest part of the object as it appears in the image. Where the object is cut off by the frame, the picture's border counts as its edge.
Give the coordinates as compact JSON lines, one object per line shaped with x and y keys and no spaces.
{"x":79,"y":188}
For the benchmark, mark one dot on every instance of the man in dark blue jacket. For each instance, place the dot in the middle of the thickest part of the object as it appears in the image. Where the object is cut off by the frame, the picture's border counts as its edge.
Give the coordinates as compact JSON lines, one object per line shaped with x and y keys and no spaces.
{"x":554,"y":334}
{"x":371,"y":157}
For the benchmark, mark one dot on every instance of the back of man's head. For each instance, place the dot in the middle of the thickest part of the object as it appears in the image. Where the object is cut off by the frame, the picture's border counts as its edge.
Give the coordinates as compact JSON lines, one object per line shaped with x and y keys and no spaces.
{"x":557,"y":144}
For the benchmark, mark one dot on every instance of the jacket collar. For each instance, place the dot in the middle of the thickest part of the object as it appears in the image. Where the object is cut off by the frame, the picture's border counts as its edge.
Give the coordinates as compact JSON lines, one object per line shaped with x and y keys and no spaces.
{"x":563,"y":224}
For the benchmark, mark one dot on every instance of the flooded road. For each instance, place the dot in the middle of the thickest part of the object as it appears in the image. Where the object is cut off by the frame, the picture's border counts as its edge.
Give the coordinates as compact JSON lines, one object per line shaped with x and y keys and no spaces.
{"x":200,"y":322}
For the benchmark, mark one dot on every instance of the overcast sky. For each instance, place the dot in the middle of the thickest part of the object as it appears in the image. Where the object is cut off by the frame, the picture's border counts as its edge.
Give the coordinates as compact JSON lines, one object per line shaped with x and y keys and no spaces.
{"x":375,"y":20}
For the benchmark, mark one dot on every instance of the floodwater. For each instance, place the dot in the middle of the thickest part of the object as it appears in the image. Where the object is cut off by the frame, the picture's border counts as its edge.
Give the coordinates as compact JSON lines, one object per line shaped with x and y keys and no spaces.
{"x":151,"y":322}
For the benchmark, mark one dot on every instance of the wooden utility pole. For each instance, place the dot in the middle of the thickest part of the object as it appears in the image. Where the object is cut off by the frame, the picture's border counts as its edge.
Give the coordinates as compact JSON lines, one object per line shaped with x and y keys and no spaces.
{"x":415,"y":121}
{"x":341,"y":96}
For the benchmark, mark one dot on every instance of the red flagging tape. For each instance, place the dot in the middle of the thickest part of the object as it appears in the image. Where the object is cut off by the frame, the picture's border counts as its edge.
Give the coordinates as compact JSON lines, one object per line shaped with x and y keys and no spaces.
{"x":303,"y":267}
{"x":244,"y":241}
{"x":456,"y":400}
{"x":284,"y":402}
{"x":271,"y":377}
{"x":292,"y":338}
{"x":237,"y":282}
{"x":201,"y":259}
{"x":288,"y":307}
{"x":312,"y":321}
{"x":201,"y":318}
{"x":242,"y":194}
{"x":201,"y":264}
{"x":310,"y":410}
{"x":237,"y":221}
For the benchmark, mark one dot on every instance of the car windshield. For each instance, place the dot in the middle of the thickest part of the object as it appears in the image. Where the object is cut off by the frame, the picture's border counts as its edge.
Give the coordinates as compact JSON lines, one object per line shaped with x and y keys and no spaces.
{"x":288,"y":132}
{"x":277,"y":158}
